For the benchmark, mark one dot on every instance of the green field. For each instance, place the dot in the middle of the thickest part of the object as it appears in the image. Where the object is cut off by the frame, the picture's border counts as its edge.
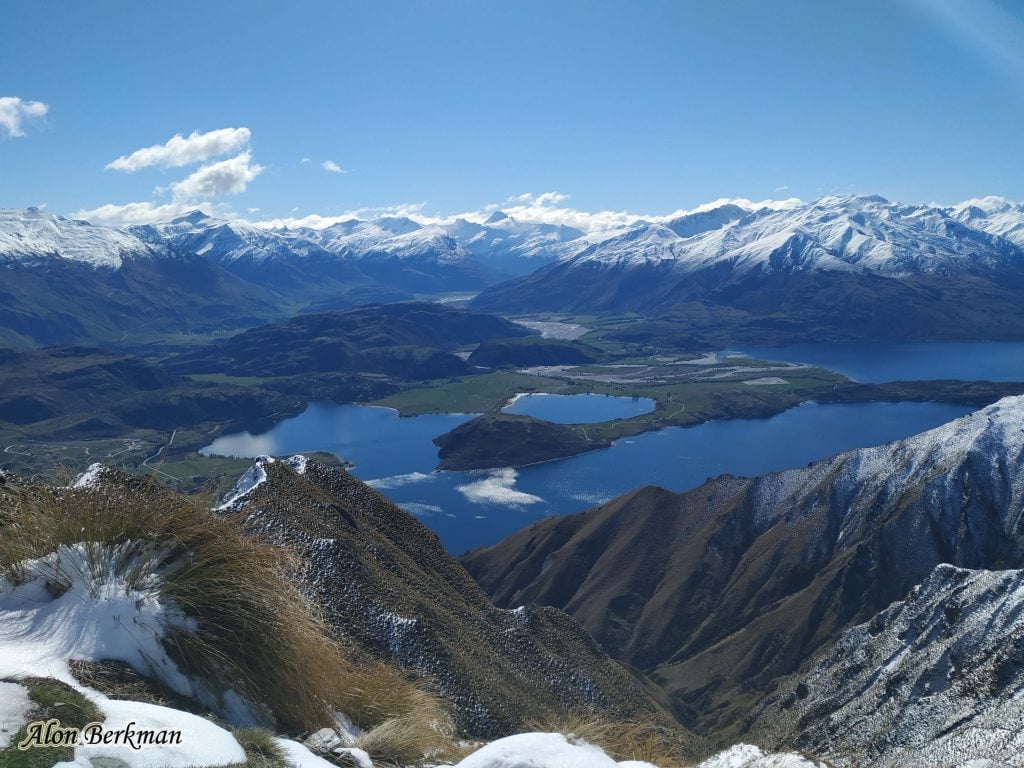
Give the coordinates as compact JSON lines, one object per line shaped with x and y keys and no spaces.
{"x":680,"y":403}
{"x":475,"y":394}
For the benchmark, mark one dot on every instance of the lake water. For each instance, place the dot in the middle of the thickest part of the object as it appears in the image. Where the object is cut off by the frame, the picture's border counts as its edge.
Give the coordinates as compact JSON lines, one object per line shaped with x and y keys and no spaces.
{"x":469,"y":509}
{"x":579,"y":409}
{"x":968,"y":360}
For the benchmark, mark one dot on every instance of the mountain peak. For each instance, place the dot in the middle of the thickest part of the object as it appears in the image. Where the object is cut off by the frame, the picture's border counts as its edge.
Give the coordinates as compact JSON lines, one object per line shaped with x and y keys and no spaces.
{"x":192,"y":217}
{"x":497,"y":216}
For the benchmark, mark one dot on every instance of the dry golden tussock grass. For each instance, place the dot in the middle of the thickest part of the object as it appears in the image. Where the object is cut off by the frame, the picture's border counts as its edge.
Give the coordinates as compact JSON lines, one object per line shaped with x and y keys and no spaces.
{"x":257,"y":634}
{"x":661,"y":745}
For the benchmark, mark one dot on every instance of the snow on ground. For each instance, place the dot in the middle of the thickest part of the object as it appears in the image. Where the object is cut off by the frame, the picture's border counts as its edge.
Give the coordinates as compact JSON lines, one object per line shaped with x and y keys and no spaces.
{"x":542,"y":750}
{"x":69,"y":605}
{"x":88,"y":478}
{"x":202,"y":742}
{"x":298,"y":463}
{"x":254,"y":477}
{"x":99,"y":615}
{"x":749,"y":756}
{"x":299,"y":756}
{"x":14,"y":708}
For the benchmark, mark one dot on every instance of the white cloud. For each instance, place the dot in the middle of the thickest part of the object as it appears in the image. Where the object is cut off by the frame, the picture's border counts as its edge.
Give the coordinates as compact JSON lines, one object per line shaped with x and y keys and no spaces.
{"x":397,"y":481}
{"x":318,"y":221}
{"x":421,"y":510}
{"x":333,"y":167}
{"x":15,"y":112}
{"x":543,"y":208}
{"x":497,"y":488}
{"x":113,"y":215}
{"x":305,"y":160}
{"x":181,"y":151}
{"x":227,"y":177}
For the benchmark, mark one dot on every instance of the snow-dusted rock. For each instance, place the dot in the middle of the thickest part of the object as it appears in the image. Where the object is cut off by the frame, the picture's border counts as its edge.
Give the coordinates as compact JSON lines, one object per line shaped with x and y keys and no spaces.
{"x":933,"y":681}
{"x":253,"y":478}
{"x":749,"y":756}
{"x":976,"y":460}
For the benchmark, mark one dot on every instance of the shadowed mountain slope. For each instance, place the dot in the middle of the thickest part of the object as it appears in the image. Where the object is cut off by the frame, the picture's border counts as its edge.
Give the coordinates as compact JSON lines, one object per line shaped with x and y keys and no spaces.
{"x":411,"y":340}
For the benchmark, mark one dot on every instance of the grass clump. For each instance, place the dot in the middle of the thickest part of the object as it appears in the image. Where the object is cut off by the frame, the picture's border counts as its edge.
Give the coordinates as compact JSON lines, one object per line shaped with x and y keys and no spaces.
{"x":662,"y":745}
{"x":414,"y":727}
{"x":261,"y":751}
{"x":252,"y":631}
{"x":53,"y":700}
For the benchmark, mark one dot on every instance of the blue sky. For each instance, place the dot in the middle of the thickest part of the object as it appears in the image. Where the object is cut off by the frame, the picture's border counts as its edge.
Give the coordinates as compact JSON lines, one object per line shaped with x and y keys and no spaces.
{"x":449,"y":106}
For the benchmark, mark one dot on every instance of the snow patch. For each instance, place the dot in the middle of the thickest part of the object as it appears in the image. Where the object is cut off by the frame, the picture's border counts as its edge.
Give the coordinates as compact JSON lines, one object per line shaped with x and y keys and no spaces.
{"x":15,"y":706}
{"x":542,"y":750}
{"x":254,"y":477}
{"x":99,"y":602}
{"x":298,"y":462}
{"x":298,"y":756}
{"x":90,"y":477}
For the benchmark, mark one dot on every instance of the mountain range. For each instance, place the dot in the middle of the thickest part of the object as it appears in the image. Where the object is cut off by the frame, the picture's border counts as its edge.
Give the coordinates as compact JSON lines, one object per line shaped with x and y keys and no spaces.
{"x":841,"y":265}
{"x":791,"y":602}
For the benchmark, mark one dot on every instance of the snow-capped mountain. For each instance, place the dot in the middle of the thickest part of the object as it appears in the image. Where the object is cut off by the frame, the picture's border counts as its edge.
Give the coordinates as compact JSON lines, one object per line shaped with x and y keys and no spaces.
{"x":404,"y":254}
{"x":519,"y":247}
{"x":226,"y":241}
{"x":31,"y":236}
{"x":803,"y":266}
{"x":388,"y":237}
{"x":836,"y":233}
{"x":707,"y":221}
{"x":842,"y":266}
{"x":995,"y":215}
{"x":286,"y":262}
{"x":68,"y":281}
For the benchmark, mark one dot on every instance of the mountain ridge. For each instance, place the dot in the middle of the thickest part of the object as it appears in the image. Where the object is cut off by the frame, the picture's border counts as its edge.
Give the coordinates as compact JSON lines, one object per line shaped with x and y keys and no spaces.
{"x":719,"y":591}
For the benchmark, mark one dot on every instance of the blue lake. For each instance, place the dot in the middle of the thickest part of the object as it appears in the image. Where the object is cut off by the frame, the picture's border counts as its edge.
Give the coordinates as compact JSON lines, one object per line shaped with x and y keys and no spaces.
{"x":469,"y":509}
{"x":968,"y":360}
{"x":579,"y":409}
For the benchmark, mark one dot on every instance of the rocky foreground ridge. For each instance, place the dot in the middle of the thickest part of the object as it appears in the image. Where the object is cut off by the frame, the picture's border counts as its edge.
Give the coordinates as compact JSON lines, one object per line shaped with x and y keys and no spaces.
{"x":389,"y":588}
